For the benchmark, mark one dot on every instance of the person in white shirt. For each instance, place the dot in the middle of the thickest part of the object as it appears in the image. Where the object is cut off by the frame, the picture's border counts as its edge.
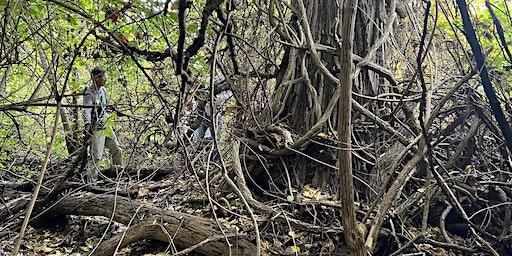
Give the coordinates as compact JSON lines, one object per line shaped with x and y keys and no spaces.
{"x":95,"y":115}
{"x":204,"y":129}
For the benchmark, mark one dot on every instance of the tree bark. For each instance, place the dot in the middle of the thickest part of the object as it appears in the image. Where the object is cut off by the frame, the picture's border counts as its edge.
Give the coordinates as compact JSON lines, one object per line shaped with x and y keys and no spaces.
{"x":353,"y":236}
{"x":187,"y":230}
{"x":304,"y":91}
{"x":484,"y":74}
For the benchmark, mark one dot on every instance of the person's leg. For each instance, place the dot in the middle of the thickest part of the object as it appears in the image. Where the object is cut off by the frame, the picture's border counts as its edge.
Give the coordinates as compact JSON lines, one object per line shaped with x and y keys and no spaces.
{"x":97,"y":145}
{"x":114,"y":149}
{"x":199,"y":132}
{"x":218,"y":132}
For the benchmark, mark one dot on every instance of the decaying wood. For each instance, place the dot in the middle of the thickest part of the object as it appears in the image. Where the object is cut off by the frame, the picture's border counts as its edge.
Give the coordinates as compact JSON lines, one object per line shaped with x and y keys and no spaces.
{"x":149,"y":223}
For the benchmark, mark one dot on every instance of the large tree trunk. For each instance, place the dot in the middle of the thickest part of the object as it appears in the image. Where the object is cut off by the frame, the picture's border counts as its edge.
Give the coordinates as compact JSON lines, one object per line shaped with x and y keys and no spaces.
{"x":300,"y":109}
{"x":370,"y":24}
{"x":295,"y":102}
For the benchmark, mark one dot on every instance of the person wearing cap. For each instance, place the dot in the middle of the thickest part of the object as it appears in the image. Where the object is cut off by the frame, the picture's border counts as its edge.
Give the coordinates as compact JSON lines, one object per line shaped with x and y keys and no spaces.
{"x":95,"y":115}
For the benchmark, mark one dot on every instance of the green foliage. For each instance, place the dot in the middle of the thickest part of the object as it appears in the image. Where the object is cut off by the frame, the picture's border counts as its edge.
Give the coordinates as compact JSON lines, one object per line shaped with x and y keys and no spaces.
{"x":57,"y":32}
{"x":109,"y":123}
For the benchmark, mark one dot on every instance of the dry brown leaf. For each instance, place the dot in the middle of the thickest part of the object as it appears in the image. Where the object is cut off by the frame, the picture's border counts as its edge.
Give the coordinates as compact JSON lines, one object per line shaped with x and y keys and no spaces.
{"x":143,"y":191}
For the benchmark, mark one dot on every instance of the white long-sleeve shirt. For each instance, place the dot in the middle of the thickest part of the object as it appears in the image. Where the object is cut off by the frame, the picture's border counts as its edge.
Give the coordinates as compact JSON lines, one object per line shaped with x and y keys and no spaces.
{"x":96,"y":97}
{"x":220,"y":102}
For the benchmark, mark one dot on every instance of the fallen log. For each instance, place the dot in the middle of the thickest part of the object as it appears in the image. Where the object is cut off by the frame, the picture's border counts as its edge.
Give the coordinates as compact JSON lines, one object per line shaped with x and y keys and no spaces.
{"x":150,"y":222}
{"x":142,"y":172}
{"x":147,"y":230}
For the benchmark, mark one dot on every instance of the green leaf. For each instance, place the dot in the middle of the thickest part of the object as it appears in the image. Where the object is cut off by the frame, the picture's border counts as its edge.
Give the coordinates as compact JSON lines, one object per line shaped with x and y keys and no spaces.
{"x":73,"y":20}
{"x":210,"y":31}
{"x":173,"y":16}
{"x":290,"y":198}
{"x":108,"y":130}
{"x":192,"y":28}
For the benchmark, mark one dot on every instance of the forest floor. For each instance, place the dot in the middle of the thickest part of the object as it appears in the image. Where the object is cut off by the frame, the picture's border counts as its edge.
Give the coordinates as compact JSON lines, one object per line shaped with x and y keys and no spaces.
{"x":179,"y":191}
{"x":82,"y":234}
{"x":307,"y":224}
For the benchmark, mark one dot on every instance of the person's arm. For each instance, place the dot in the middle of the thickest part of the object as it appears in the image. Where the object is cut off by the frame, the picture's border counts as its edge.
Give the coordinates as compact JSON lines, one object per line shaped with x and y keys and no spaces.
{"x":106,"y":97}
{"x":105,"y":106}
{"x":87,"y":111}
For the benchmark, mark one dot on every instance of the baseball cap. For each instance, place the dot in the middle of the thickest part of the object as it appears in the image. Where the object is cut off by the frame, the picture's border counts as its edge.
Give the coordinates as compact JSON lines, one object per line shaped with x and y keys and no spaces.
{"x":97,"y":71}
